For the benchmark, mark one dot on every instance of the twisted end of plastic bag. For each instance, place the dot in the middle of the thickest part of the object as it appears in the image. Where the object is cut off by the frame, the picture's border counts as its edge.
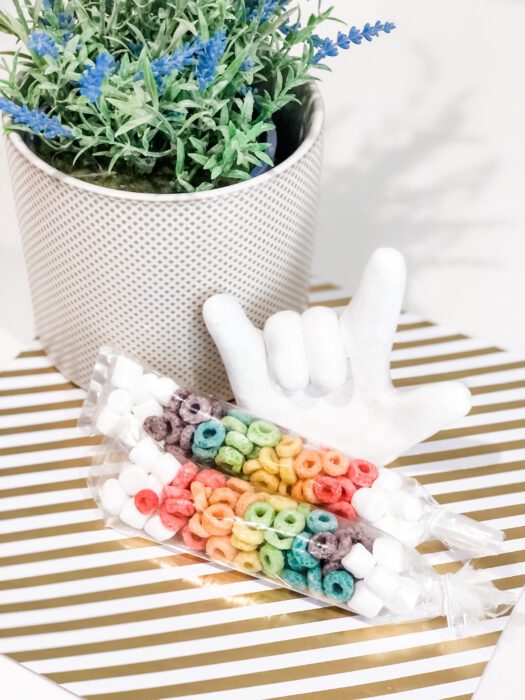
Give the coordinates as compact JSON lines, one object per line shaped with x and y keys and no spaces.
{"x":470,"y":597}
{"x":462,"y":533}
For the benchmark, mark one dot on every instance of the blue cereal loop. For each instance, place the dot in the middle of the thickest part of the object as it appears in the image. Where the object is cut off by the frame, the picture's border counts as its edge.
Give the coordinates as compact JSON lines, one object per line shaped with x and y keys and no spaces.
{"x":321,"y":521}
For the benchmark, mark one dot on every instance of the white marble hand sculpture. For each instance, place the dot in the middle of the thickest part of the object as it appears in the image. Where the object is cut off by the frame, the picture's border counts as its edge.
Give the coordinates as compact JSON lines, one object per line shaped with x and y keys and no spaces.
{"x":328,"y":378}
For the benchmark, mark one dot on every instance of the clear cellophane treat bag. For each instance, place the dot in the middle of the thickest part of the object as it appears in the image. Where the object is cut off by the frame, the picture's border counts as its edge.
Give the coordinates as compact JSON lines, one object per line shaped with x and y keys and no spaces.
{"x":129,"y":402}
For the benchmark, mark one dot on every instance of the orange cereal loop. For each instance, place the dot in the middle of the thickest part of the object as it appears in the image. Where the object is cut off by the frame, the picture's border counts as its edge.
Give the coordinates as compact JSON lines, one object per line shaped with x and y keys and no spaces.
{"x":224,"y":495}
{"x":308,"y":464}
{"x":198,"y":492}
{"x":195,"y":526}
{"x":308,"y":491}
{"x":287,"y":471}
{"x":334,"y":463}
{"x":268,"y":460}
{"x":250,"y":466}
{"x":219,"y":548}
{"x":245,"y":500}
{"x":218,"y":519}
{"x":241,"y":545}
{"x":264,"y":481}
{"x":239,"y":485}
{"x":289,"y":446}
{"x":297,"y":490}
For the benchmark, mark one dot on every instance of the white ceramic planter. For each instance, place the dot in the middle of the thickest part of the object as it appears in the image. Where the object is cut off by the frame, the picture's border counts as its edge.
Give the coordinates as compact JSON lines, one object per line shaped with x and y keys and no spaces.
{"x":132,"y":270}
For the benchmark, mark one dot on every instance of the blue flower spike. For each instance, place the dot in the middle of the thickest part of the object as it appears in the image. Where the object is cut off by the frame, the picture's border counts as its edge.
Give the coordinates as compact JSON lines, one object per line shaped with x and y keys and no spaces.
{"x":327,"y":47}
{"x":35,"y":120}
{"x":42,"y":44}
{"x":208,"y":54}
{"x":91,"y":80}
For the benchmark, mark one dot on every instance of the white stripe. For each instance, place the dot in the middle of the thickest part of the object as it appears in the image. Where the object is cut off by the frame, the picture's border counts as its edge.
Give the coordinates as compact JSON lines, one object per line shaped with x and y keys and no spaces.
{"x":30,"y":381}
{"x":451,"y":347}
{"x":33,"y":522}
{"x":477,"y":482}
{"x":43,"y":499}
{"x":57,"y":542}
{"x":36,"y":399}
{"x":43,"y":436}
{"x":466,"y":363}
{"x":23,"y":363}
{"x":448,"y":465}
{"x":46,"y":456}
{"x":21,"y":420}
{"x":40,"y":478}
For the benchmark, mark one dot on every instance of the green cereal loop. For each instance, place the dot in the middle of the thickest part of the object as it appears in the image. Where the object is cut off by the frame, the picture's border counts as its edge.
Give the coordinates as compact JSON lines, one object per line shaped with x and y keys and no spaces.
{"x":209,"y":435}
{"x":314,"y":579}
{"x":321,"y":521}
{"x":292,"y":562}
{"x":264,"y":434}
{"x":230,"y":459}
{"x":260,"y":514}
{"x":232,"y":423}
{"x":240,"y":415}
{"x":300,"y":553}
{"x":254,"y":454}
{"x":304,"y":508}
{"x":277,"y":540}
{"x":290,"y":522}
{"x":272,"y":560}
{"x":295,"y":579}
{"x":338,"y":585}
{"x":204,"y":455}
{"x":239,"y":441}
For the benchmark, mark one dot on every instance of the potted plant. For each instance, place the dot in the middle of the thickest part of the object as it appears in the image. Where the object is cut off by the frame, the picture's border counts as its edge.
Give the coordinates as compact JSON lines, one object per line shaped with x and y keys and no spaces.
{"x":161,"y":152}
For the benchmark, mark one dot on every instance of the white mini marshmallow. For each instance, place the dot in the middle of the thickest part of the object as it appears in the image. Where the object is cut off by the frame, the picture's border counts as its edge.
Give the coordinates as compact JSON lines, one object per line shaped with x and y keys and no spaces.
{"x":151,"y":407}
{"x":108,"y":422}
{"x":125,"y":373}
{"x":388,"y":481}
{"x":369,"y":504}
{"x":131,"y":430}
{"x":410,"y":533}
{"x":144,"y":388}
{"x":156,"y":530}
{"x":145,"y":453}
{"x":406,"y":506}
{"x":133,"y":479}
{"x":388,"y":524}
{"x":119,"y":401}
{"x":164,"y":390}
{"x":406,"y":597}
{"x":364,"y":601}
{"x":382,"y":581}
{"x":390,"y":553}
{"x":113,"y":498}
{"x":166,"y":468}
{"x":132,"y":516}
{"x":359,"y":562}
{"x":155,"y":484}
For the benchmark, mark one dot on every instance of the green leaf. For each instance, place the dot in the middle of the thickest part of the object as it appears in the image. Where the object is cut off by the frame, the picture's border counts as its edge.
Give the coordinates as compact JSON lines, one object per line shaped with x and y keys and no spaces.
{"x":133,"y":124}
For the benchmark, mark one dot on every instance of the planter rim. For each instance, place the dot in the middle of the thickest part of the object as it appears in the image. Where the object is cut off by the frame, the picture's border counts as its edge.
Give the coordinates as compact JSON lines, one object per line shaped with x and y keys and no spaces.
{"x":311,"y":135}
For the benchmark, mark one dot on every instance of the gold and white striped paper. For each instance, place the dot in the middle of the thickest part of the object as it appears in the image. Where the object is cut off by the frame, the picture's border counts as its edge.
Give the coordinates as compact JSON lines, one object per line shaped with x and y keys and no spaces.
{"x":115,"y":618}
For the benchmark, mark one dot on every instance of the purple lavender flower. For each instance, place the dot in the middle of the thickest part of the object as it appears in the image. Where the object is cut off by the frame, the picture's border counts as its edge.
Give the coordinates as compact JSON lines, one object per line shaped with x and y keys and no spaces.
{"x":92,"y":78}
{"x":42,"y":44}
{"x":327,"y":47}
{"x":39,"y":122}
{"x":208,"y":54}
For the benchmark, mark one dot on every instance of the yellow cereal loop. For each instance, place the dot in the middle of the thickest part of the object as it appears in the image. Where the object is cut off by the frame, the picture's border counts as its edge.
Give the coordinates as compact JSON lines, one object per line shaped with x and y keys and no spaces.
{"x":251,"y":465}
{"x":268,"y":460}
{"x":264,"y":481}
{"x":289,"y":446}
{"x":281,"y":502}
{"x":283,"y":488}
{"x":243,"y":546}
{"x":248,"y":561}
{"x":287,"y":471}
{"x":245,"y":533}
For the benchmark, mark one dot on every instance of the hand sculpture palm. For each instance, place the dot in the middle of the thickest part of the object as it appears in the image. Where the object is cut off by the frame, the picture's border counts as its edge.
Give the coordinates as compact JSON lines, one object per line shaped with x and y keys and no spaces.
{"x":328,"y":378}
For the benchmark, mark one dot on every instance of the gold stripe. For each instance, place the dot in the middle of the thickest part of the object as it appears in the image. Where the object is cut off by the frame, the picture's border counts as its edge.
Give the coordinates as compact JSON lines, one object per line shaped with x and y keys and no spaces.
{"x":260,"y":651}
{"x":38,"y":389}
{"x":57,"y":425}
{"x":484,"y":563}
{"x":57,"y":445}
{"x":491,"y":388}
{"x":46,"y":466}
{"x":47,"y":509}
{"x":303,"y":672}
{"x":429,"y":341}
{"x":414,"y":326}
{"x":490,"y":407}
{"x":32,"y":353}
{"x":472,"y":494}
{"x":321,"y":288}
{"x":434,"y":546}
{"x":43,"y":488}
{"x":332,"y":303}
{"x":367,"y":690}
{"x":477,"y":430}
{"x":496,"y":513}
{"x":467,"y":472}
{"x":460,"y":697}
{"x":457,"y":453}
{"x":67,"y":529}
{"x":458,"y":374}
{"x":413,"y":362}
{"x":28,"y":372}
{"x":41,"y":407}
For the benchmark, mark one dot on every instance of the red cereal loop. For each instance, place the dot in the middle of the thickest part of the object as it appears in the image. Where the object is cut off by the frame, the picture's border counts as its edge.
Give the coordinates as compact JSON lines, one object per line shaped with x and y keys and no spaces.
{"x":179,"y":506}
{"x":146,"y":501}
{"x":348,"y":488}
{"x":192,"y":540}
{"x":362,"y":473}
{"x":171,"y":522}
{"x":211,"y":478}
{"x":327,"y":489}
{"x":185,"y":475}
{"x":176,"y":492}
{"x":343,"y":510}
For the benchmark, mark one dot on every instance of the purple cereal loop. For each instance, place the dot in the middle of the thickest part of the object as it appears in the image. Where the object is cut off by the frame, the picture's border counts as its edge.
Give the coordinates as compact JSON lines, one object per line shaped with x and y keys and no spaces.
{"x":332,"y":565}
{"x":195,"y":409}
{"x":322,"y":545}
{"x":173,"y":405}
{"x":218,"y":409}
{"x":360,"y":534}
{"x":175,"y":428}
{"x":157,"y":427}
{"x":186,"y":438}
{"x":344,"y":543}
{"x":172,"y":450}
